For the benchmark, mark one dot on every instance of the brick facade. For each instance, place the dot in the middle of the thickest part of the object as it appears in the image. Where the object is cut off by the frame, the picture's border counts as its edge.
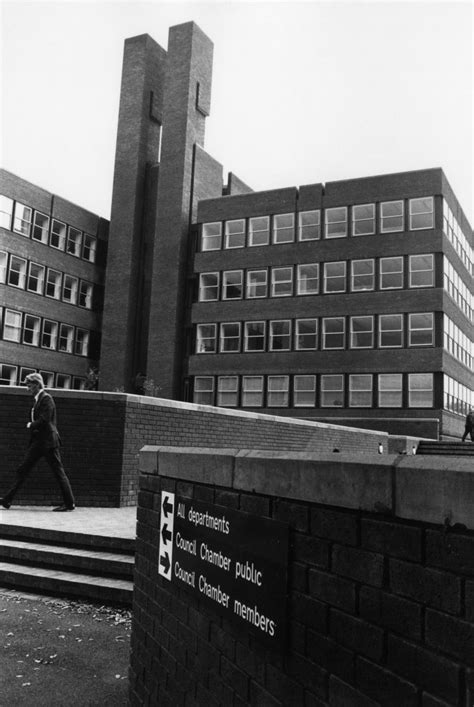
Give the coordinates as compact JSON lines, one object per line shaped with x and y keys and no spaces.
{"x":380,"y":605}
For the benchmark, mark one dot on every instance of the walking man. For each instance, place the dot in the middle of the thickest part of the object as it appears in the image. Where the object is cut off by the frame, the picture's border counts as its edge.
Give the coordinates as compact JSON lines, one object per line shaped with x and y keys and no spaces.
{"x":44,"y":442}
{"x":469,"y":427}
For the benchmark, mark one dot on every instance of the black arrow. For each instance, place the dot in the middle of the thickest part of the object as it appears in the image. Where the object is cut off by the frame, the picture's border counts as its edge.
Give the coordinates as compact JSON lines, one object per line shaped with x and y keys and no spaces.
{"x":165,"y":533}
{"x":165,"y":561}
{"x":167,"y":507}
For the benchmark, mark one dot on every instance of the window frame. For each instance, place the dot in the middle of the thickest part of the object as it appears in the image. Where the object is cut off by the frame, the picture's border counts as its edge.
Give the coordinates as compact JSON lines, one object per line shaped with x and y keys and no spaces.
{"x":25,"y":227}
{"x":356,"y":220}
{"x":58,"y":284}
{"x":249,"y":285}
{"x":284,"y":336}
{"x":53,"y":334}
{"x":300,"y":280}
{"x":390,"y":332}
{"x":370,"y":275}
{"x":253,"y":392}
{"x":239,"y":236}
{"x":210,"y":391}
{"x":238,"y":285}
{"x":329,"y":278}
{"x":366,"y":332}
{"x":201,"y":339}
{"x":284,"y":391}
{"x":327,"y":223}
{"x":316,"y":225}
{"x":333,"y":391}
{"x":20,"y":274}
{"x":28,"y":330}
{"x":234,"y":391}
{"x":60,"y":236}
{"x":412,"y":272}
{"x":412,"y":330}
{"x":11,"y":326}
{"x":299,"y":399}
{"x":392,"y":391}
{"x":74,"y":238}
{"x":255,"y":337}
{"x":341,"y":333}
{"x":369,"y":391}
{"x":298,"y":336}
{"x":412,"y":391}
{"x":252,"y":231}
{"x":285,"y":284}
{"x":68,"y":338}
{"x":412,"y":216}
{"x":44,"y":229}
{"x":384,"y":228}
{"x":39,"y":290}
{"x":393,"y":273}
{"x":224,"y":340}
{"x":213,"y":237}
{"x":278,"y":231}
{"x":203,"y":288}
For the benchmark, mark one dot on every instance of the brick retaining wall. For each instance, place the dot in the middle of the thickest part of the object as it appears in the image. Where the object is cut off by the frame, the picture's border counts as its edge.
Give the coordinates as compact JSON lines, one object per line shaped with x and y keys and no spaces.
{"x":381,"y":584}
{"x":102,"y":434}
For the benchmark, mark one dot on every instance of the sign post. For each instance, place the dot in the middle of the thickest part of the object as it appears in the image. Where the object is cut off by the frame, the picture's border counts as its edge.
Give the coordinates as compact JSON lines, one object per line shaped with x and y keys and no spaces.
{"x":234,"y":561}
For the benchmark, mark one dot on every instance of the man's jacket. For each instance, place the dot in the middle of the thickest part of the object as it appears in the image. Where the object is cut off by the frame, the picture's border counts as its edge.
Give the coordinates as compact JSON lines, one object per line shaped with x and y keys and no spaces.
{"x":43,"y":427}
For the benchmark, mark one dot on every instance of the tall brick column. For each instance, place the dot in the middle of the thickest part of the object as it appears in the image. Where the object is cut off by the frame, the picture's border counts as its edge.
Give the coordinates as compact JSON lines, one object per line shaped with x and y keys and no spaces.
{"x":186,"y":104}
{"x":129,"y":259}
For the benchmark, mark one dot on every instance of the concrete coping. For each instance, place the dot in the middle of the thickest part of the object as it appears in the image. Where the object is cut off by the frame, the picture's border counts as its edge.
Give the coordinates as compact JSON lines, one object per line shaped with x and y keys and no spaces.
{"x":436,"y":490}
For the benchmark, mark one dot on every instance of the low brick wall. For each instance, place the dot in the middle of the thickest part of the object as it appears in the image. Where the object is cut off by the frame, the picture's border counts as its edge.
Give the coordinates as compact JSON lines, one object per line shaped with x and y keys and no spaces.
{"x":102,"y":434}
{"x":380,"y":604}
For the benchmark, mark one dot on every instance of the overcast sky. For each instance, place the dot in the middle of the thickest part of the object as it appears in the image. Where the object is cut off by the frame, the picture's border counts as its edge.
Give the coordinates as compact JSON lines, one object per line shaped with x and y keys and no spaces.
{"x":303,"y":92}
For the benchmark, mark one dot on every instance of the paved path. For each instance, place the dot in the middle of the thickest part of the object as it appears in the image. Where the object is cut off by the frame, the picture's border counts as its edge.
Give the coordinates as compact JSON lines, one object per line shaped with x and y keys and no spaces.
{"x":109,"y":522}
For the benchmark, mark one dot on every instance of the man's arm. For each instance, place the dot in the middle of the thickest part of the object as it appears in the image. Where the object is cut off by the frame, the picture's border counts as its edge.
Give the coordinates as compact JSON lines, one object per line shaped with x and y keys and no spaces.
{"x":45,"y":413}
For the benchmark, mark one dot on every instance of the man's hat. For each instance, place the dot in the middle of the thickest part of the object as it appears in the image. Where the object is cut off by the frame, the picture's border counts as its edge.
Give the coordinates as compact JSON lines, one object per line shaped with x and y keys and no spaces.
{"x":34,"y":378}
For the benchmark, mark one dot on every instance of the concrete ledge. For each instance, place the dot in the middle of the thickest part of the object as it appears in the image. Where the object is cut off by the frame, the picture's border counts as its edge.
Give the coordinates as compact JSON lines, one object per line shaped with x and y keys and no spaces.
{"x":432,"y":490}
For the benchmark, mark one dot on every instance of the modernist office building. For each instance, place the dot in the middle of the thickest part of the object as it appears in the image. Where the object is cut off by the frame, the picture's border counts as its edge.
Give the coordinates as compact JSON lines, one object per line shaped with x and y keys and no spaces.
{"x":348,"y":301}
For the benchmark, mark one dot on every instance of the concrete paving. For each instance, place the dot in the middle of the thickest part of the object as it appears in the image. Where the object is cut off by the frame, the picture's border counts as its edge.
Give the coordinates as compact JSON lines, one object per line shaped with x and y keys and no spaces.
{"x":107,"y":522}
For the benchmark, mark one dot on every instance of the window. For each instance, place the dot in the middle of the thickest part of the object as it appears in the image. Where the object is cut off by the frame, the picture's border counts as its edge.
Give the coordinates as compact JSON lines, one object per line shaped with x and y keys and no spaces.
{"x":283,"y":228}
{"x":206,"y":338}
{"x":420,"y":390}
{"x":282,"y":282}
{"x":336,"y":222}
{"x":309,"y":225}
{"x":363,"y":220}
{"x":49,"y":337}
{"x":78,"y":383}
{"x":40,"y":227}
{"x":256,"y":283}
{"x":235,"y":233}
{"x":36,"y":278}
{"x":362,"y":275}
{"x":17,"y":272}
{"x":89,"y":248}
{"x":280,"y":335}
{"x":252,"y":391}
{"x":362,"y":332}
{"x":278,"y":391}
{"x":259,"y":230}
{"x":25,"y":372}
{"x":66,"y":338}
{"x":230,"y":337}
{"x":334,"y":333}
{"x":304,"y":391}
{"x":308,"y":279}
{"x":360,"y":391}
{"x":211,"y":236}
{"x":85,"y":294}
{"x":22,"y":220}
{"x":74,"y":241}
{"x":6,"y":212}
{"x":306,"y":334}
{"x":53,"y":284}
{"x":332,"y":391}
{"x":3,"y":266}
{"x":421,"y":213}
{"x":227,"y":391}
{"x":48,"y":378}
{"x":390,"y":390}
{"x":232,"y":284}
{"x":421,"y":270}
{"x":57,"y":238}
{"x":391,"y":273}
{"x":31,"y":330}
{"x":12,"y":326}
{"x":203,"y":390}
{"x":391,"y":216}
{"x":63,"y":381}
{"x":390,"y":330}
{"x":335,"y":277}
{"x":8,"y":374}
{"x":254,"y":336}
{"x":70,"y":286}
{"x":81,"y":344}
{"x":421,"y":329}
{"x":208,"y":286}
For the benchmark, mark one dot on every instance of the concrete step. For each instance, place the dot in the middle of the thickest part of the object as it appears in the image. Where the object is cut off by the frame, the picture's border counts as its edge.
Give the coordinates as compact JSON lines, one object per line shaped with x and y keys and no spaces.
{"x":456,"y":449}
{"x":56,"y":582}
{"x":67,"y":537}
{"x":73,"y":559}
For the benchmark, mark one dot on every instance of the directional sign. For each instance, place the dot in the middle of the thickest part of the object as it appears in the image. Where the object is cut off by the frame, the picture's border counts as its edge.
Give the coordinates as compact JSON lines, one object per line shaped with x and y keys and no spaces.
{"x":233,"y":561}
{"x":166,"y":534}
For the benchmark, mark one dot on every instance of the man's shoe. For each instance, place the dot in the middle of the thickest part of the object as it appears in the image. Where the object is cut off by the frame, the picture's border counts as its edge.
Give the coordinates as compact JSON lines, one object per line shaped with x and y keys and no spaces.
{"x":63,"y":509}
{"x":5,"y":504}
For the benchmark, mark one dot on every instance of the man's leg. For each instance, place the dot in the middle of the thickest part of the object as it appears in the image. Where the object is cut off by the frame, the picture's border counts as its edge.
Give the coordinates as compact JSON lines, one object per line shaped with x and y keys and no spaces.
{"x":32,"y":456}
{"x":53,"y":457}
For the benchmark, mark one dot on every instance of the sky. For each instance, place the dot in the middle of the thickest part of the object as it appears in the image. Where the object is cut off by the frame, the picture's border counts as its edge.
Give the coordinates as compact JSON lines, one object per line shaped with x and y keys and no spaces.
{"x":303,"y":92}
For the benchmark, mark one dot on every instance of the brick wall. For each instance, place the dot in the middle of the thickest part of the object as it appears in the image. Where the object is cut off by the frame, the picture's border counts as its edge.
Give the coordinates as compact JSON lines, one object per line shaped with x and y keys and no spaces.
{"x":380,"y":603}
{"x":102,"y":434}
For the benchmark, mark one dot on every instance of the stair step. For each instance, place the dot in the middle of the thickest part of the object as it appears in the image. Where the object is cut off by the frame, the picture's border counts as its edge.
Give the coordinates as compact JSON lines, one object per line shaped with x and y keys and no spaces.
{"x":59,"y":582}
{"x":72,"y":558}
{"x":68,"y":537}
{"x":460,"y":449}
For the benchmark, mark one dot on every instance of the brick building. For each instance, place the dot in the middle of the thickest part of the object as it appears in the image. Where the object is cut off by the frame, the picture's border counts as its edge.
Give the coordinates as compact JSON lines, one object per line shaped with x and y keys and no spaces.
{"x":348,"y":301}
{"x":52,"y":265}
